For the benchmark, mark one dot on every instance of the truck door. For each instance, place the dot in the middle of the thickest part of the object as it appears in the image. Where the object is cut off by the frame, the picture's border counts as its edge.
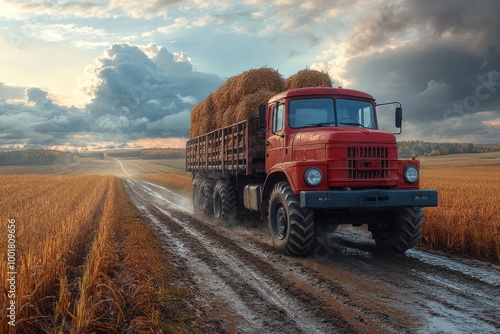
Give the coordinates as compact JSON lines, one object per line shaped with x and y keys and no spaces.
{"x":275,"y":136}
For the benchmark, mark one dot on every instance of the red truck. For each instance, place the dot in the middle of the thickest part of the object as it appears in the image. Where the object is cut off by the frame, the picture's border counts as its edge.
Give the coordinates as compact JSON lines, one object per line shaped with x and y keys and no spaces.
{"x":313,"y":158}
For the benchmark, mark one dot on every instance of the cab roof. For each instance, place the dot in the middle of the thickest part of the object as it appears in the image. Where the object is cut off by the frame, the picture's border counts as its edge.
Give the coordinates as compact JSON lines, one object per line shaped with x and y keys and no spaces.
{"x":321,"y":91}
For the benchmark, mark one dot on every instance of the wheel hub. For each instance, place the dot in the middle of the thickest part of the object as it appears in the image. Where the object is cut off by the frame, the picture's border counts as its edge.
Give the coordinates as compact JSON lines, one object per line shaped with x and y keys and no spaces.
{"x":281,"y":223}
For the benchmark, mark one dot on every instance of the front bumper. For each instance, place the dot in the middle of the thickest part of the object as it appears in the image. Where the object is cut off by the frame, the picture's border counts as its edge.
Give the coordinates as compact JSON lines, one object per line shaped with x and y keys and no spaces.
{"x":372,"y":198}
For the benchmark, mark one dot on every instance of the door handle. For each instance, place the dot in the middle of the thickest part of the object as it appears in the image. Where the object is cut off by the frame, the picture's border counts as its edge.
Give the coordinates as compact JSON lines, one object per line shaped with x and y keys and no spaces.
{"x":268,"y":143}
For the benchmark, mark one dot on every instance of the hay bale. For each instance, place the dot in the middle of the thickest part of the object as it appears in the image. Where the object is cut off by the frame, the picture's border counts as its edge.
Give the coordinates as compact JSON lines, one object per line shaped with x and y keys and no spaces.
{"x":229,"y":116}
{"x":255,"y":80}
{"x":308,"y":78}
{"x":249,"y":105}
{"x":208,"y":112}
{"x":249,"y":89}
{"x":223,"y":98}
{"x":196,"y":115}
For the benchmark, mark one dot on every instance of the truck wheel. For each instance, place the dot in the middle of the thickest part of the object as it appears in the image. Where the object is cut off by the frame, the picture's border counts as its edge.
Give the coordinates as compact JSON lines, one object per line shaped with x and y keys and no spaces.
{"x":224,"y":200}
{"x":401,"y":231}
{"x":292,"y":227}
{"x":206,"y":194}
{"x":197,"y":195}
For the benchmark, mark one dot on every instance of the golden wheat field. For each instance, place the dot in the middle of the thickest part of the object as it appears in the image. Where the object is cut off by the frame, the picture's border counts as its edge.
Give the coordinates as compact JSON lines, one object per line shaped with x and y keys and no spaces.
{"x":467,"y":220}
{"x":83,"y":261}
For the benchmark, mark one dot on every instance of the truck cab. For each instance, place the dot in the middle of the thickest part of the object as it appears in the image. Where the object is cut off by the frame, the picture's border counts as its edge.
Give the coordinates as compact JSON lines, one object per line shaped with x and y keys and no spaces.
{"x":334,"y":130}
{"x":324,"y":147}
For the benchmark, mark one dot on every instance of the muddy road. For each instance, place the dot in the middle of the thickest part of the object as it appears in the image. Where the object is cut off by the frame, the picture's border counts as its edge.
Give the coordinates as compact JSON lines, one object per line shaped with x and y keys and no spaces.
{"x":344,"y":286}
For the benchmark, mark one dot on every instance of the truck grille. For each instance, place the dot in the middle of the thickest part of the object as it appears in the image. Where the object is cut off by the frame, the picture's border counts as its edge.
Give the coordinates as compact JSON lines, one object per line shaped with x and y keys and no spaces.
{"x":367,"y":162}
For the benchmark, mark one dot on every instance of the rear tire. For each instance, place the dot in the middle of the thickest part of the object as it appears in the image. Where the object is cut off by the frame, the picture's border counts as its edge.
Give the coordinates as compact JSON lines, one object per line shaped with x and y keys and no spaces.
{"x":205,"y":199}
{"x":401,"y":231}
{"x":292,"y":227}
{"x":197,"y":196}
{"x":224,"y":201}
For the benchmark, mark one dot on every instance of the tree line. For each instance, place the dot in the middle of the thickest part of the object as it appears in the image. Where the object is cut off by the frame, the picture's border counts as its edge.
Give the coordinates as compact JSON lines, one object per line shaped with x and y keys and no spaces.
{"x":423,"y":149}
{"x":36,"y":157}
{"x":153,"y":153}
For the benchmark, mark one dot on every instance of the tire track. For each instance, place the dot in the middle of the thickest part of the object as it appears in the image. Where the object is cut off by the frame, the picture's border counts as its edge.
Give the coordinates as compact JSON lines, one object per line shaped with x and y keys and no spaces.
{"x":264,"y":299}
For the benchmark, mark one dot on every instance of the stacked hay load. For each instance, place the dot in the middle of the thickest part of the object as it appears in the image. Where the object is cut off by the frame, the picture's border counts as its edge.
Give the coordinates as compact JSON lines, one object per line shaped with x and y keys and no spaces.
{"x":196,"y":115}
{"x":224,"y":98}
{"x":308,"y":78}
{"x":249,"y":89}
{"x":203,"y":117}
{"x":236,"y":100}
{"x":249,"y":104}
{"x":240,"y":96}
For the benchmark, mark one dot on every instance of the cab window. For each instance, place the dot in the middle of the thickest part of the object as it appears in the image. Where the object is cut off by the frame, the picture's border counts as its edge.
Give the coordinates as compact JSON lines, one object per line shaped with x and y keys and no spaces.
{"x":278,"y":112}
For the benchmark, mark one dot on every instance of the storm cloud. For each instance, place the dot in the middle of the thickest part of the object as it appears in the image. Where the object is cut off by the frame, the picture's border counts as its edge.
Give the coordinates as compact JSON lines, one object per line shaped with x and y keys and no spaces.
{"x":39,"y":123}
{"x":136,"y":93}
{"x":440,"y":59}
{"x":133,"y":90}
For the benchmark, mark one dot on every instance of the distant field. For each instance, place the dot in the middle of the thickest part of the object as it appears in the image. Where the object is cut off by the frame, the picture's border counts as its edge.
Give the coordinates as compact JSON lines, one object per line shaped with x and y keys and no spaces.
{"x":85,"y":166}
{"x":178,"y":164}
{"x":168,"y":172}
{"x":467,"y":220}
{"x":107,"y":166}
{"x":462,"y":160}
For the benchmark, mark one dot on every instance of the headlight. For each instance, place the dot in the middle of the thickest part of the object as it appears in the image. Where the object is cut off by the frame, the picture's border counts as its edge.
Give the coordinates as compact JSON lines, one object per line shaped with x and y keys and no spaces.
{"x":313,"y":176}
{"x":411,"y":174}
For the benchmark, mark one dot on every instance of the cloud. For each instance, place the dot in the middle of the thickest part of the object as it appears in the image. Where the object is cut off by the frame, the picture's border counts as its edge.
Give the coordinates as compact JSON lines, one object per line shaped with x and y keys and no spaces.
{"x":37,"y":96}
{"x":80,"y":36}
{"x":471,"y":26}
{"x":137,"y":89}
{"x":39,"y":125}
{"x":137,"y":93}
{"x":11,"y":92}
{"x":440,"y":59}
{"x":84,"y":9}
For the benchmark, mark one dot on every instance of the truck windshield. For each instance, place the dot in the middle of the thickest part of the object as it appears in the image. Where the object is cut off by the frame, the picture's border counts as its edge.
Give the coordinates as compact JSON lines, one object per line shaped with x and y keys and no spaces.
{"x":329,"y":112}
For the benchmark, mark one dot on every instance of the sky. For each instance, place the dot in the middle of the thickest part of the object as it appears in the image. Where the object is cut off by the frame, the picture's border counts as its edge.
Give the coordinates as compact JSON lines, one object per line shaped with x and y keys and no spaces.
{"x":93,"y":75}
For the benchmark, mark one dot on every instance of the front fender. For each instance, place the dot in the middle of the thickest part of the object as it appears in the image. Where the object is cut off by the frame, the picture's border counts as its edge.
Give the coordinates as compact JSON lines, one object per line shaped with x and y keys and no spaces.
{"x":293,"y":172}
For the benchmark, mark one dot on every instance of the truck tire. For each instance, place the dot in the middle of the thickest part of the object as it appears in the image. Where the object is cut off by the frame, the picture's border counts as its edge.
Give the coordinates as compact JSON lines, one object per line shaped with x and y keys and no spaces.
{"x":197,"y":196}
{"x":206,"y":194}
{"x":224,"y":201}
{"x":401,"y":231}
{"x":292,"y":227}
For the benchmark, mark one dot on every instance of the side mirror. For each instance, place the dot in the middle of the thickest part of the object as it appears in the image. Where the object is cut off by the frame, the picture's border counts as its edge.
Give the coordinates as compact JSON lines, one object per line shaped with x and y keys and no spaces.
{"x":399,"y":117}
{"x":262,"y":113}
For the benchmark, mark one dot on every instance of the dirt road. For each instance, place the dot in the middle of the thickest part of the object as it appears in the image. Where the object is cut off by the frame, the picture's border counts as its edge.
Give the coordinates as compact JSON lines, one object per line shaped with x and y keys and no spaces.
{"x":344,"y":286}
